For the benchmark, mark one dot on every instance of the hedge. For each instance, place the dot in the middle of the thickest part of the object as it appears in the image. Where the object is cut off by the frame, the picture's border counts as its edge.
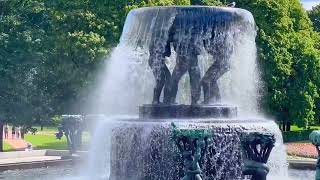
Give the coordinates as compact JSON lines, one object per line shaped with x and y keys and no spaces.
{"x":293,"y":136}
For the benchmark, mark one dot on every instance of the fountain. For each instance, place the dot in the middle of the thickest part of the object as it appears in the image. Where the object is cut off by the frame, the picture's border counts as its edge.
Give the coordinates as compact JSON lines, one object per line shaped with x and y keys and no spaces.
{"x":315,"y":139}
{"x":205,"y":135}
{"x":71,"y":126}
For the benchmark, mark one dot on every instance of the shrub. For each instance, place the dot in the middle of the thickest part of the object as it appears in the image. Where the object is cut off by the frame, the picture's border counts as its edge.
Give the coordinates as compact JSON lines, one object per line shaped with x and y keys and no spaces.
{"x":293,"y":136}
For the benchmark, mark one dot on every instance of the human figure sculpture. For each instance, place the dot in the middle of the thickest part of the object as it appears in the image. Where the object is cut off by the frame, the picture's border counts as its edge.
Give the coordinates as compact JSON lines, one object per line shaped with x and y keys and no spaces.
{"x":256,"y":148}
{"x":192,"y":144}
{"x":186,"y":60}
{"x":221,"y":65}
{"x":158,"y":52}
{"x":72,"y":127}
{"x":314,"y":137}
{"x":191,"y":162}
{"x":185,"y":39}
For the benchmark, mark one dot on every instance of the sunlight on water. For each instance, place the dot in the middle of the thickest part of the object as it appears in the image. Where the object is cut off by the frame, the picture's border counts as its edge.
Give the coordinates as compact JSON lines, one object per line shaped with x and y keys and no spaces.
{"x":127,"y":81}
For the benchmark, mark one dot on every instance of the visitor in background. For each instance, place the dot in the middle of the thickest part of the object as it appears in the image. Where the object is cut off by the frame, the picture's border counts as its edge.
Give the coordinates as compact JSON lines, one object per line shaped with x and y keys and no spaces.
{"x":13,"y":132}
{"x":29,"y":147}
{"x":18,"y":132}
{"x":6,"y":132}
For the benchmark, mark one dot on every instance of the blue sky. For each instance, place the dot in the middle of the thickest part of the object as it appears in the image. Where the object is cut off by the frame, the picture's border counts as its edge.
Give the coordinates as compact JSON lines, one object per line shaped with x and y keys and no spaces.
{"x":307,"y":4}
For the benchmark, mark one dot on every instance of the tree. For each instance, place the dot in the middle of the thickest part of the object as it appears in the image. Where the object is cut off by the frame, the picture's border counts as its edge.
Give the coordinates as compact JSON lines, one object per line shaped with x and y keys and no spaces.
{"x":314,"y":15}
{"x":288,"y":58}
{"x":207,"y":2}
{"x":50,"y":52}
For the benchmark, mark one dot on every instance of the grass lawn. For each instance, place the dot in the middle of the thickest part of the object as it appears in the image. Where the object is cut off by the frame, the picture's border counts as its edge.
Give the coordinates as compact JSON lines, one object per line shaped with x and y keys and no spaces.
{"x":46,"y":130}
{"x":7,"y":147}
{"x":296,"y":128}
{"x":46,"y":139}
{"x":40,"y":141}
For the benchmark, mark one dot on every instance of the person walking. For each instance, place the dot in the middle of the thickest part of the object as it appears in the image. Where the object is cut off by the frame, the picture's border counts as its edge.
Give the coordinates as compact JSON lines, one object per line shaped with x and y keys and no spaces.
{"x":18,"y":132}
{"x":13,"y":132}
{"x":6,"y":132}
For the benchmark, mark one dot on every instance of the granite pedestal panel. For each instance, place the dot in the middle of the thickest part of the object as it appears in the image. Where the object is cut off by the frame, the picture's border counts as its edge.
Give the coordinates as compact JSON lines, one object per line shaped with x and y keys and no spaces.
{"x":187,"y":111}
{"x":144,"y":150}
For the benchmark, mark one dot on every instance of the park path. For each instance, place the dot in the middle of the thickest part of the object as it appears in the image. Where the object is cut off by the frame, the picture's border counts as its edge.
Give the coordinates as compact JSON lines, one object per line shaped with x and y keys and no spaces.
{"x":16,"y":144}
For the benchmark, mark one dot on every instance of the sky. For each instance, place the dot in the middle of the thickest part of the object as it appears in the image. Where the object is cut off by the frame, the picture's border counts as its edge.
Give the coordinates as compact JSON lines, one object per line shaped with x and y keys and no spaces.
{"x":307,"y":4}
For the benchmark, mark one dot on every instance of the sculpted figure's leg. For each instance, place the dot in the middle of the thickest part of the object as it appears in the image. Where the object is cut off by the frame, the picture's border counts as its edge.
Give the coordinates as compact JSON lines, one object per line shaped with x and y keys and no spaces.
{"x":159,"y":69}
{"x":195,"y":76}
{"x":198,"y":177}
{"x":209,"y":81}
{"x":179,"y":70}
{"x":161,"y":74}
{"x":166,"y":91}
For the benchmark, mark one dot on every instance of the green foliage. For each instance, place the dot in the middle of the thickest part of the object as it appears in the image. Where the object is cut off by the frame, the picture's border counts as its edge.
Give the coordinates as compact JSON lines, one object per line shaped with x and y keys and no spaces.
{"x":7,"y":147}
{"x":314,"y":15}
{"x":207,"y":2}
{"x":296,"y":128}
{"x":56,"y":120}
{"x":46,"y":139}
{"x":289,"y":61}
{"x":289,"y":58}
{"x":295,"y":136}
{"x":50,"y":52}
{"x":39,"y":141}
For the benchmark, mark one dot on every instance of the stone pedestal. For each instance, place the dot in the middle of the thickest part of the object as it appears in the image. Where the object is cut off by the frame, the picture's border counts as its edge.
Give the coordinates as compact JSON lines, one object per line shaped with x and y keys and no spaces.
{"x":146,"y":150}
{"x":256,"y":147}
{"x":315,"y":139}
{"x":162,"y":111}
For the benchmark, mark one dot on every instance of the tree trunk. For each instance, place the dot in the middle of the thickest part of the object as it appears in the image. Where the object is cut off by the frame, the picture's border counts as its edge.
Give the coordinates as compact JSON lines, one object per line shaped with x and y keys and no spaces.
{"x":41,"y":127}
{"x":288,"y":128}
{"x":1,"y":137}
{"x":283,"y":126}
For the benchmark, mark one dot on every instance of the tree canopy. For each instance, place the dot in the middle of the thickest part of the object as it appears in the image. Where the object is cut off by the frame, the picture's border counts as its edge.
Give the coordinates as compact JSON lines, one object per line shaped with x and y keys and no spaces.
{"x":289,"y":60}
{"x":314,"y":15}
{"x":50,"y":51}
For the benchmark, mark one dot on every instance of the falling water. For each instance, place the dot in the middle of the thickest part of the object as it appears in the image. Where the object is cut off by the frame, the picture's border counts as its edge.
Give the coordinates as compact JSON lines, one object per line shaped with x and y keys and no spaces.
{"x":127,"y":81}
{"x":98,"y":166}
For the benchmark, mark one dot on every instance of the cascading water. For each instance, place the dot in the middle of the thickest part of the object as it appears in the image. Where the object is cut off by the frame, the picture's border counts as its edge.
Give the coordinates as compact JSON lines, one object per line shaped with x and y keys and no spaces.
{"x":215,"y":33}
{"x":128,"y":78}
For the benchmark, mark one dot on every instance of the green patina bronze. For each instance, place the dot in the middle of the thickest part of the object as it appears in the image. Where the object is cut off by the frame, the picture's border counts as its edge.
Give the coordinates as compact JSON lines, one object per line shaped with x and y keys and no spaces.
{"x":256,"y":148}
{"x":192,"y":144}
{"x":71,"y":126}
{"x":315,"y":139}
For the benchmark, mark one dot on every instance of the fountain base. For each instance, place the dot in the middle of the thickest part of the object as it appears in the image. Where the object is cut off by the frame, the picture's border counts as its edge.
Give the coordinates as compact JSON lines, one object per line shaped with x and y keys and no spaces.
{"x":162,"y":111}
{"x":144,"y":149}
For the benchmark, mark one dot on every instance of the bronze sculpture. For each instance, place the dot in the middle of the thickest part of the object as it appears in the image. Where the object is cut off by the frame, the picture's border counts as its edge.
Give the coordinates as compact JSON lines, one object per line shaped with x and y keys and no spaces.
{"x":192,"y":145}
{"x":162,"y":75}
{"x":222,"y":54}
{"x":187,"y":38}
{"x":256,"y":147}
{"x":186,"y":60}
{"x":207,"y":141}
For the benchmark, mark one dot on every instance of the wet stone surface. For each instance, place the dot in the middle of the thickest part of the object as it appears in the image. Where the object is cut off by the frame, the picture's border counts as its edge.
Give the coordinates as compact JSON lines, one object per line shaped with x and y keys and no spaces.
{"x":145,"y":150}
{"x":187,"y":111}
